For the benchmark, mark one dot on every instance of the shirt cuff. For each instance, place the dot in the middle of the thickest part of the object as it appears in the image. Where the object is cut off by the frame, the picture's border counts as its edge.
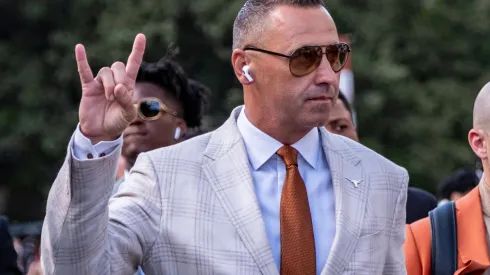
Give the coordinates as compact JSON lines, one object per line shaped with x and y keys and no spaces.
{"x":83,"y":148}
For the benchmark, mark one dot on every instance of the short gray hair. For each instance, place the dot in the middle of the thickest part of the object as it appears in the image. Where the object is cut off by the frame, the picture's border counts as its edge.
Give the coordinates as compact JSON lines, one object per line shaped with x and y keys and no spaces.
{"x":247,"y":26}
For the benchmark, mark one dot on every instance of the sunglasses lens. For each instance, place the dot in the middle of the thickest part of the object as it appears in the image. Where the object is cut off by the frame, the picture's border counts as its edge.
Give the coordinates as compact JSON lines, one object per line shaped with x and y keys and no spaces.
{"x":305,"y":60}
{"x":149,"y":108}
{"x":337,"y":56}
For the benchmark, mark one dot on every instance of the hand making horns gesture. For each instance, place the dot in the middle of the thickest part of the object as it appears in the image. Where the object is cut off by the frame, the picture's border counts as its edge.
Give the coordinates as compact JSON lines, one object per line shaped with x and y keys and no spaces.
{"x":106,"y":107}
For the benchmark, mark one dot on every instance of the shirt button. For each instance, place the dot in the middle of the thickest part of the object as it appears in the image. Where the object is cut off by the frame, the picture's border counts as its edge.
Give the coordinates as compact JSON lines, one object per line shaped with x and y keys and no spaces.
{"x":102,"y":155}
{"x":90,"y":156}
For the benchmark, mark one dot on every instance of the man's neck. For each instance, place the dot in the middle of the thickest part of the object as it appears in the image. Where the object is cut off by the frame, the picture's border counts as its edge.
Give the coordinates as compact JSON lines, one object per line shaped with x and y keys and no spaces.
{"x":280,"y":131}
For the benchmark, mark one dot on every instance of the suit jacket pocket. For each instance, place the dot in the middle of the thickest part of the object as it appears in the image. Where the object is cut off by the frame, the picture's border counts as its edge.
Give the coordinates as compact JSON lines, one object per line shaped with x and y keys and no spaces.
{"x":369,"y":242}
{"x":369,"y":255}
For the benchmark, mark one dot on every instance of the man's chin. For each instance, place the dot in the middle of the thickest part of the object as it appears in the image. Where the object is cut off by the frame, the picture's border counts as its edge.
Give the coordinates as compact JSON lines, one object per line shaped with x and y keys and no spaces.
{"x":130,"y":154}
{"x":315,"y":120}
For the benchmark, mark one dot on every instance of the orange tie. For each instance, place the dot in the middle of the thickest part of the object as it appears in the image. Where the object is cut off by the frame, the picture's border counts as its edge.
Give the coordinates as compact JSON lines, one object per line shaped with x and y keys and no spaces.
{"x":297,"y":240}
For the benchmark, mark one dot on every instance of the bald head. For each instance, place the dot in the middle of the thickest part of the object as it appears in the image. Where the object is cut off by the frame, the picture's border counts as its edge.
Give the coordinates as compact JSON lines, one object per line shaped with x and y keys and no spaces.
{"x":479,"y":137}
{"x":481,"y":110}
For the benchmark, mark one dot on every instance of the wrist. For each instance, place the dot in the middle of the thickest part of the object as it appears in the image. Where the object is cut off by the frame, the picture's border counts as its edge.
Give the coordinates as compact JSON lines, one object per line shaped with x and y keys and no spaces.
{"x":96,"y":139}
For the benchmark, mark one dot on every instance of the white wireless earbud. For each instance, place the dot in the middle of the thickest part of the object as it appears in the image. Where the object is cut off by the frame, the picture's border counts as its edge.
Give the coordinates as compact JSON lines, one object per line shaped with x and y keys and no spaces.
{"x":246,"y":72}
{"x":177,"y":133}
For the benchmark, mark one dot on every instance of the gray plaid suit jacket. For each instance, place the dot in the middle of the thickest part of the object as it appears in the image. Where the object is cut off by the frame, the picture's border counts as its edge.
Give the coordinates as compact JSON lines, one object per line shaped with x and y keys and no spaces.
{"x":191,"y":209}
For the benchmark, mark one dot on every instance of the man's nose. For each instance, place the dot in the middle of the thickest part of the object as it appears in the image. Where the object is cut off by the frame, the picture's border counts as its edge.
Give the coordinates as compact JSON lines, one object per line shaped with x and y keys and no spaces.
{"x":324,"y":74}
{"x":137,"y":118}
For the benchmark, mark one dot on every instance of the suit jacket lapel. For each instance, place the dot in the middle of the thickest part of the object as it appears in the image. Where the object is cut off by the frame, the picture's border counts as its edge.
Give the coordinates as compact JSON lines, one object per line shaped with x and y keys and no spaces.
{"x":228,"y":172}
{"x":350,"y":200}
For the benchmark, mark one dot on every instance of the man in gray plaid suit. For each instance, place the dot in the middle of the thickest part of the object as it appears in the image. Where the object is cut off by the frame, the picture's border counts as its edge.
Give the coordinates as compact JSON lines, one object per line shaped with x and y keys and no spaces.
{"x":213,"y":204}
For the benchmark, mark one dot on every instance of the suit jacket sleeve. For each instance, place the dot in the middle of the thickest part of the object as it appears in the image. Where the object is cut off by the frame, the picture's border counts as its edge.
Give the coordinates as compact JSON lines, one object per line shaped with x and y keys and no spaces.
{"x":8,"y":255}
{"x":395,"y":260}
{"x":84,"y":232}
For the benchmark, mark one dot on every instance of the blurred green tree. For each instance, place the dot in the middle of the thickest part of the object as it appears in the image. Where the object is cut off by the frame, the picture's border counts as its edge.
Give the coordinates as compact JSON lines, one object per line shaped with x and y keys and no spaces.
{"x":418,"y":66}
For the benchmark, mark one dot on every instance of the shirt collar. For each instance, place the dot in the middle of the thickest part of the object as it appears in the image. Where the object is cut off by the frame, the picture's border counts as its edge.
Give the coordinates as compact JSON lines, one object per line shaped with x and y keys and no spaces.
{"x":261,"y":147}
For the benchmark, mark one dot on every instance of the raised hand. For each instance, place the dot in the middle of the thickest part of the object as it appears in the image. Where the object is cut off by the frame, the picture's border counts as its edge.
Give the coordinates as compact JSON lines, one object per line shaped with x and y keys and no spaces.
{"x":106,"y":107}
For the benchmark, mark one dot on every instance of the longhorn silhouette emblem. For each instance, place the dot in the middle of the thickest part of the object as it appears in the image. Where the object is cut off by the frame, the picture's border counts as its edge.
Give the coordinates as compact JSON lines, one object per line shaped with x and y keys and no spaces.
{"x":355,"y":182}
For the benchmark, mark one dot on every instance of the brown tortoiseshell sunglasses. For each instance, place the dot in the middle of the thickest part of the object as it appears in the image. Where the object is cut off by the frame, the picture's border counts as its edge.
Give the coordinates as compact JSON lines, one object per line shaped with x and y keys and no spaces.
{"x":306,"y":59}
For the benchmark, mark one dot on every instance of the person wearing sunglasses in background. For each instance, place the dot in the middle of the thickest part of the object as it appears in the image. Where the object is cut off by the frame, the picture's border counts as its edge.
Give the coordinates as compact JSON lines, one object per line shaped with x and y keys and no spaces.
{"x":269,"y":192}
{"x":167,"y":104}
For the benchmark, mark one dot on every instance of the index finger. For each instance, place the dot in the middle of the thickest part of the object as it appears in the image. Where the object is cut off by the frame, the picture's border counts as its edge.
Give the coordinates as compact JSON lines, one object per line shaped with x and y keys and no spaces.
{"x":84,"y":70}
{"x":136,"y":57}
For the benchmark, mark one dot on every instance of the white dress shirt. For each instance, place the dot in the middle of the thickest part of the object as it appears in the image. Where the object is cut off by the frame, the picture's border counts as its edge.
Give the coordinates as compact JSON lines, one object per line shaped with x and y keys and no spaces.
{"x":84,"y":149}
{"x":268,"y":173}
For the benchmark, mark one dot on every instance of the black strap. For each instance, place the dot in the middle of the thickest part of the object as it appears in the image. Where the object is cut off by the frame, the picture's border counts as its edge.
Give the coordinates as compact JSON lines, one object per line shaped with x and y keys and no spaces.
{"x":444,"y":252}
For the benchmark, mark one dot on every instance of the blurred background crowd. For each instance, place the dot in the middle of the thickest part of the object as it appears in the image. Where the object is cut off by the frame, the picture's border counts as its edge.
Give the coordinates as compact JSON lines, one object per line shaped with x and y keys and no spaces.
{"x":414,"y":72}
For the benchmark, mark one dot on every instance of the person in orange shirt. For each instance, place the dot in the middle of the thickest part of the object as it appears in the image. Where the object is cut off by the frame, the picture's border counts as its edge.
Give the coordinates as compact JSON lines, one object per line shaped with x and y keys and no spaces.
{"x":470,"y":252}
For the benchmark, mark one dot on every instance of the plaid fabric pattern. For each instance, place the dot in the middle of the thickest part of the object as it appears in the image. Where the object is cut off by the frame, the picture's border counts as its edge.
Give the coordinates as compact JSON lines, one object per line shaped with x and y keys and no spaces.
{"x":191,"y":209}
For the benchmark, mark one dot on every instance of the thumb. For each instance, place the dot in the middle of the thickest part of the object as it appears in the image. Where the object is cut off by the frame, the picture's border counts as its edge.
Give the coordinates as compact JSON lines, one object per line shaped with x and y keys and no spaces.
{"x":125,"y":100}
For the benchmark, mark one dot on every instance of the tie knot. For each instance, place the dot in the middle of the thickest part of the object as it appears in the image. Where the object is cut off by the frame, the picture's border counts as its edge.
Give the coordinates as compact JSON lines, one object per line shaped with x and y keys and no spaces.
{"x":288,"y":154}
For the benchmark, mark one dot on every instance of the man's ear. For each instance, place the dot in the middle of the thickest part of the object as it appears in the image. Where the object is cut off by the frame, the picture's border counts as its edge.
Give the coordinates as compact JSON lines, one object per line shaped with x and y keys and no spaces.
{"x":478,"y":143}
{"x":238,"y":61}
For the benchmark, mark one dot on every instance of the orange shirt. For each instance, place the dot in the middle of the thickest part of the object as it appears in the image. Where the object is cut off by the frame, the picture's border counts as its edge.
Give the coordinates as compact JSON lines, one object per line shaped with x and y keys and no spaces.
{"x":472,"y":244}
